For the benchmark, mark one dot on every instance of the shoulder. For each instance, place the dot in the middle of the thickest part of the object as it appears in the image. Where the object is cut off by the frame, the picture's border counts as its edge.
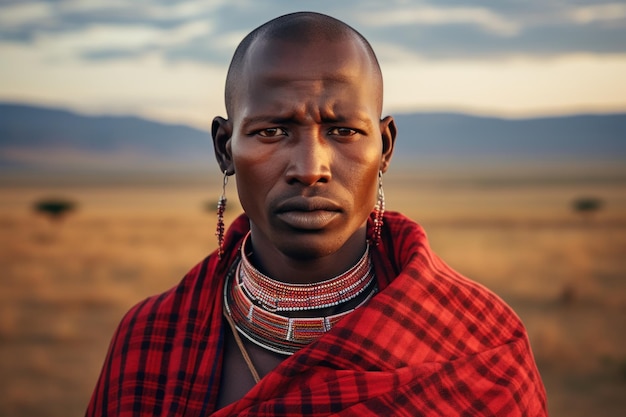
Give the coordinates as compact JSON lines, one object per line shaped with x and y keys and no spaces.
{"x":439,"y":297}
{"x":445,"y":318}
{"x":165,"y":338}
{"x":157,"y":322}
{"x":156,"y":342}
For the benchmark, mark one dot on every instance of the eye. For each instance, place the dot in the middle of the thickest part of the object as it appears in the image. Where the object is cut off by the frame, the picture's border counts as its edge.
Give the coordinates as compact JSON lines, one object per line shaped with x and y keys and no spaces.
{"x":342,"y":131}
{"x":272,"y":132}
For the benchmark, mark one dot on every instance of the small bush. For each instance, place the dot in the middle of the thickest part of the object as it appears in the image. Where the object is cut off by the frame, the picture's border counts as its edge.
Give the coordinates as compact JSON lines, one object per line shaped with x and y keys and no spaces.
{"x":587,"y":206}
{"x":54,"y":208}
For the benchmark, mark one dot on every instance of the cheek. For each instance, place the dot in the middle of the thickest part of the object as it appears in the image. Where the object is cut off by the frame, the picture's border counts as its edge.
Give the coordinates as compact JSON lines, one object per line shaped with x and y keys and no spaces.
{"x":255,"y":170}
{"x":370,"y":188}
{"x":249,"y":160}
{"x":364,"y":177}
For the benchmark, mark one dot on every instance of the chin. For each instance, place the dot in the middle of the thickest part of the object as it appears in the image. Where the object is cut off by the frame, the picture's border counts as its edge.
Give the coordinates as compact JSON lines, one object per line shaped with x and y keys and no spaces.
{"x":309,"y":247}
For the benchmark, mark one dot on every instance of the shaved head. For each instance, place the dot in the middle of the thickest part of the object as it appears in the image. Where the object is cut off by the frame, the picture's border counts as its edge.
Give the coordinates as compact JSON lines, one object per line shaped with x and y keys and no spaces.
{"x":303,"y":28}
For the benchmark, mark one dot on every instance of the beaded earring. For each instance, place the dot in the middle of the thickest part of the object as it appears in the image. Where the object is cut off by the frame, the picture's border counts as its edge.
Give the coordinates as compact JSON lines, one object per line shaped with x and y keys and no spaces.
{"x":221,"y":208}
{"x":379,"y":211}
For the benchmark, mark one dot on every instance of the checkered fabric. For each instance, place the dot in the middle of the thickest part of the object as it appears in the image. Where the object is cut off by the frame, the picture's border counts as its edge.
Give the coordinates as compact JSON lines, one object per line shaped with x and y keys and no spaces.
{"x":430,"y":343}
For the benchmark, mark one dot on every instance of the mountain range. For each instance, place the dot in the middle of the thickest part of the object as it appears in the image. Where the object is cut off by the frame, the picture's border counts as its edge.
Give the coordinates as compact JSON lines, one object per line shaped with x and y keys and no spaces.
{"x":40,"y":142}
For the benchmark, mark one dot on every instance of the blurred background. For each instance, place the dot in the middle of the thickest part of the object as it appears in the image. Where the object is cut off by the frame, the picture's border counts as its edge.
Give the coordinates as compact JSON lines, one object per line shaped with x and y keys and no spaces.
{"x":511,"y":151}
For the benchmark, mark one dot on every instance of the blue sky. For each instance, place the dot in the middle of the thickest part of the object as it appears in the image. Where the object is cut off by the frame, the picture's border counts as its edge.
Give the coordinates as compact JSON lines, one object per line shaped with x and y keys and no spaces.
{"x":167,"y":59}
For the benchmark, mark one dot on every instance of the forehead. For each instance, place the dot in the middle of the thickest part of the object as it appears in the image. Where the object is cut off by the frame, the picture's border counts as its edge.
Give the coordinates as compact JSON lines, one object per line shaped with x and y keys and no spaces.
{"x":315,"y":56}
{"x":272,"y":65}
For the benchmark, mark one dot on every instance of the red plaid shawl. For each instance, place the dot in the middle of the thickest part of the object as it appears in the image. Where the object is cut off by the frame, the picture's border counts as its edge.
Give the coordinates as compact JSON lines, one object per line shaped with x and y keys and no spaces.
{"x":430,"y":343}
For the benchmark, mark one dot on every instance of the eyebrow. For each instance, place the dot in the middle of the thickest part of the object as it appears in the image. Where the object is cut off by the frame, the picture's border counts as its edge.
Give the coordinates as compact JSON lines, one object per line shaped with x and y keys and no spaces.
{"x":342,"y":119}
{"x":267,"y":119}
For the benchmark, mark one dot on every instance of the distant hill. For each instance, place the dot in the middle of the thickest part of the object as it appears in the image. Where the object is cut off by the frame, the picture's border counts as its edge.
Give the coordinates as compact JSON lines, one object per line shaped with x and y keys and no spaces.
{"x":46,"y":141}
{"x":581,"y":136}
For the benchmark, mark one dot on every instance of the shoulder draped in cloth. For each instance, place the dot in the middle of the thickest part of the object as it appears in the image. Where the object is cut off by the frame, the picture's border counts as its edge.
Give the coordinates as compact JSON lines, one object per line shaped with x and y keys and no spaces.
{"x":430,"y":343}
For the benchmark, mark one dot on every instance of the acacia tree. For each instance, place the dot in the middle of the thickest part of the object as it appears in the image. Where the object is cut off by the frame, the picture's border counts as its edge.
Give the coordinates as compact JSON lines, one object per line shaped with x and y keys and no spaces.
{"x":587,"y":206}
{"x":55,"y":209}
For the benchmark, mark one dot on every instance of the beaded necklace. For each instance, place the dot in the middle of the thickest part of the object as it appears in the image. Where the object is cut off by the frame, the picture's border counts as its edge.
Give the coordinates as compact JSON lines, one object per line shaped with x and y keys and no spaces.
{"x":287,"y":335}
{"x":276,"y":296}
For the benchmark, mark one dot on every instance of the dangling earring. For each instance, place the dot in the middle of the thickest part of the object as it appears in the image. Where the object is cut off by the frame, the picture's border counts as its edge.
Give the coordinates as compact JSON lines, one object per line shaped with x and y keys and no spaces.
{"x":221,"y":208}
{"x":379,"y":211}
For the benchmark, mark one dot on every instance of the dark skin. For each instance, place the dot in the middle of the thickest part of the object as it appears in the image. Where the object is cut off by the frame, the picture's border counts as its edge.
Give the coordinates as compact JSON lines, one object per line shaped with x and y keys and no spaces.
{"x":306,"y":142}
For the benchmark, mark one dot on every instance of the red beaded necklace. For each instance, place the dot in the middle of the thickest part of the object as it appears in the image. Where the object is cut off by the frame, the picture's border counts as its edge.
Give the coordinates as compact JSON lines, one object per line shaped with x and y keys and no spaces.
{"x":274,"y":295}
{"x":252,"y":300}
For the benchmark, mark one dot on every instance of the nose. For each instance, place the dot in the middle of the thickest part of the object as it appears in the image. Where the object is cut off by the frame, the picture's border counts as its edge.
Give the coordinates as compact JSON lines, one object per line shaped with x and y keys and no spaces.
{"x":309,"y":159}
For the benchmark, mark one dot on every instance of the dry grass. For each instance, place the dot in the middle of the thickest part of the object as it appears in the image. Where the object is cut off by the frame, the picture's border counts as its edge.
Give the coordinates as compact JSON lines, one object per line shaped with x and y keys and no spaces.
{"x":65,"y":286}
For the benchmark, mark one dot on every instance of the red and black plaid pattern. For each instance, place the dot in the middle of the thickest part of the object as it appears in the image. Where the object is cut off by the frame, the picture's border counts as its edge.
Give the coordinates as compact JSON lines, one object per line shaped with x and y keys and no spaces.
{"x":431,"y":343}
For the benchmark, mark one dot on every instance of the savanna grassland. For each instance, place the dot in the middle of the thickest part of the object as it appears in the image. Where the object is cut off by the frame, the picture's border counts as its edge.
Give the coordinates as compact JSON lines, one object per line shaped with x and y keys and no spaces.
{"x":65,"y":284}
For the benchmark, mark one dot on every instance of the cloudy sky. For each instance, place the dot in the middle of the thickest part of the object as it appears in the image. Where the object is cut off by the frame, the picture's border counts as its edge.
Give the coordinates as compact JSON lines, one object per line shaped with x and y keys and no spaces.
{"x":167,"y":59}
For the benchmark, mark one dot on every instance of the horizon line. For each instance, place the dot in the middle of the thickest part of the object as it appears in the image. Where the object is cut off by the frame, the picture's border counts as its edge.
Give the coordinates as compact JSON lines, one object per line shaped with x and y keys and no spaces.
{"x":478,"y":113}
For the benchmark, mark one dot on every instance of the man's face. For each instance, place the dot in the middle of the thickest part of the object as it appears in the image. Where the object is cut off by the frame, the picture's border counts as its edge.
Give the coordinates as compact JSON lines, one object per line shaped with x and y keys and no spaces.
{"x":306,"y":145}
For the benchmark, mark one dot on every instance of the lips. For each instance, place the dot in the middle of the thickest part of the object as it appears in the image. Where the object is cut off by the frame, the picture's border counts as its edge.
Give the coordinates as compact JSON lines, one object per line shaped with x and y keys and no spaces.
{"x":312,"y":213}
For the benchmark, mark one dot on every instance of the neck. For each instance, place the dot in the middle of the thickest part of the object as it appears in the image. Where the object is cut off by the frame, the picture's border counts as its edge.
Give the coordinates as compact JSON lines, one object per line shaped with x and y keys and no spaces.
{"x":277,"y":265}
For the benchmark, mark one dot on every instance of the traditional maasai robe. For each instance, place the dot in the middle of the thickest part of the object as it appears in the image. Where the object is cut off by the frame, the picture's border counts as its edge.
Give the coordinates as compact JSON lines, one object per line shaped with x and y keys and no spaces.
{"x":430,"y":343}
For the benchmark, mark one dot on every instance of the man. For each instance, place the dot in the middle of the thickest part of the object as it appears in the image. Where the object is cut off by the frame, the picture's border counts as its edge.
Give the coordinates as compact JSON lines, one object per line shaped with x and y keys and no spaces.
{"x":315,"y":303}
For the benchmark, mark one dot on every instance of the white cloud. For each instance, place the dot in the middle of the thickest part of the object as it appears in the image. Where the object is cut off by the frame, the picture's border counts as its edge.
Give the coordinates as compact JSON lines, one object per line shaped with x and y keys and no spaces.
{"x":518,"y":86}
{"x":229,"y":41}
{"x":185,"y":92}
{"x":109,"y":37}
{"x":93,"y":5}
{"x":184,"y":9}
{"x":430,"y":15}
{"x":98,"y":37}
{"x":146,"y":8}
{"x":186,"y":32}
{"x":600,"y":12}
{"x":17,"y":15}
{"x":390,"y":52}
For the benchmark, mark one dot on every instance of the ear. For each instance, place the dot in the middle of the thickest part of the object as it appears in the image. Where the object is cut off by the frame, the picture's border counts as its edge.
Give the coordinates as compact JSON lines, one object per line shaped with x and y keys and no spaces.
{"x":221,"y":131}
{"x":388,"y":132}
